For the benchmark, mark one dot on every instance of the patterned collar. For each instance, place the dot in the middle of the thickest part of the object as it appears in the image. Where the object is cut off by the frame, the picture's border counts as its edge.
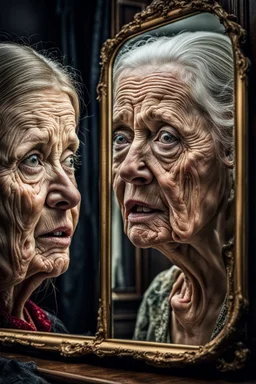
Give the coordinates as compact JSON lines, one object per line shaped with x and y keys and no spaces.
{"x":35,"y":319}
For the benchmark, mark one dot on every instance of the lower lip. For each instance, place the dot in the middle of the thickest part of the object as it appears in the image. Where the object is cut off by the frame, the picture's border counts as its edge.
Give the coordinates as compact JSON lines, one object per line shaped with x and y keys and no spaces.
{"x":141,"y":217}
{"x":60,"y":241}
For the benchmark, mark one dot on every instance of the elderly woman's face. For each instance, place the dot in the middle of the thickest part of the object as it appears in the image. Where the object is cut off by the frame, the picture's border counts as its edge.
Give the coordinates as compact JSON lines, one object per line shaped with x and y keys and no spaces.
{"x":167,"y":178}
{"x":39,"y":201}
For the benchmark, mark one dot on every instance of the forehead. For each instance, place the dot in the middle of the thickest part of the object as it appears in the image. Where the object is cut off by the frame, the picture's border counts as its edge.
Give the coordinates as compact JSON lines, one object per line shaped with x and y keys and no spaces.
{"x":147,"y":100}
{"x":45,"y":118}
{"x":36,"y":109}
{"x":46,"y":103}
{"x":153,"y":87}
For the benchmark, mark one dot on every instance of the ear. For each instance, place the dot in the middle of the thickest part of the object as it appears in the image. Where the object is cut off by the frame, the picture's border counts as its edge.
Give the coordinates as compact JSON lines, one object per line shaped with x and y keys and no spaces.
{"x":227,"y":156}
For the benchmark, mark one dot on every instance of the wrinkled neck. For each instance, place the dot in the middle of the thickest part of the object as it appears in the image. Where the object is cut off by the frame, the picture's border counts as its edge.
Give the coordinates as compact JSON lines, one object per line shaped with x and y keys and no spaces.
{"x":200,"y":259}
{"x":14,"y":298}
{"x":7,"y":299}
{"x":199,"y":291}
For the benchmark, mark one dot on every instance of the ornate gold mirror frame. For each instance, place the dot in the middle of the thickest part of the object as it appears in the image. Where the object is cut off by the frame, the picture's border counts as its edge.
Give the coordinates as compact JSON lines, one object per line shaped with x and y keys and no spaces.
{"x":158,"y":14}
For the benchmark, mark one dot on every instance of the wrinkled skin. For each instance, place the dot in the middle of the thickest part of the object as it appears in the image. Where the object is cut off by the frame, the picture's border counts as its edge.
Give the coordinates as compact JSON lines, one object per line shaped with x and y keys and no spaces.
{"x":38,"y":193}
{"x":164,"y":159}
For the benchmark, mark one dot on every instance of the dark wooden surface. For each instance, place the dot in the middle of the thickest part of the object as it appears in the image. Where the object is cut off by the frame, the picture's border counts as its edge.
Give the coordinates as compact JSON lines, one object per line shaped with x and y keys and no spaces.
{"x":102,"y":371}
{"x":115,"y":371}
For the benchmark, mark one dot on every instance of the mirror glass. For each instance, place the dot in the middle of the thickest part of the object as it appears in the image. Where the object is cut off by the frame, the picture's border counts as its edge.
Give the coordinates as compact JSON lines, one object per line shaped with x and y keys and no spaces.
{"x":172,"y":173}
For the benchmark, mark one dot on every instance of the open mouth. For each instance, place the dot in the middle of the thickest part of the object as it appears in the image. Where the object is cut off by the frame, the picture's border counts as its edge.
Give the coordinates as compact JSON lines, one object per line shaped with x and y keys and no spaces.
{"x":140,"y":213}
{"x":59,"y":236}
{"x":142,"y":209}
{"x":55,"y":234}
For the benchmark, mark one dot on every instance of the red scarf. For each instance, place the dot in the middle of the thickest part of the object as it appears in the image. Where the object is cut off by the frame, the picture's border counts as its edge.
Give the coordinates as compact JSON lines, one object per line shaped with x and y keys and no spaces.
{"x":35,"y":319}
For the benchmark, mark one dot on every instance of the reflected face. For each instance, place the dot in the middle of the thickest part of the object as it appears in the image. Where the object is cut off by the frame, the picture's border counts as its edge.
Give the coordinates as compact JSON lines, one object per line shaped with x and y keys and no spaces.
{"x":39,"y":204}
{"x":166,"y":175}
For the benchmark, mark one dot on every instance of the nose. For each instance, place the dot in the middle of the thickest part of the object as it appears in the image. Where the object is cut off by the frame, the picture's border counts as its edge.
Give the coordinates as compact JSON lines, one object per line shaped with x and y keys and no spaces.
{"x":63,"y":193}
{"x":134,"y":169}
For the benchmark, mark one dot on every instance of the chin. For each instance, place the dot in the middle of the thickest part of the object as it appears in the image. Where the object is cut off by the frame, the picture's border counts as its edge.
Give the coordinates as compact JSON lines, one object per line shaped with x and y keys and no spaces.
{"x":139,"y":243}
{"x":57,"y":271}
{"x":60,"y":265}
{"x":148,"y":238}
{"x":51,"y":265}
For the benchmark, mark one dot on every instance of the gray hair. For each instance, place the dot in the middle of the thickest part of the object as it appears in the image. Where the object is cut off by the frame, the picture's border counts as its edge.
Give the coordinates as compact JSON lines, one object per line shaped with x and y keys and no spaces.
{"x":23,"y":70}
{"x":204,"y":61}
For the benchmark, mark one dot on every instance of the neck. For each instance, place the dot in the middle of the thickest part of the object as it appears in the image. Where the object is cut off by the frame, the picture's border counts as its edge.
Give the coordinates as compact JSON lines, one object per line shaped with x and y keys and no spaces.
{"x":14,"y":298}
{"x":199,"y":291}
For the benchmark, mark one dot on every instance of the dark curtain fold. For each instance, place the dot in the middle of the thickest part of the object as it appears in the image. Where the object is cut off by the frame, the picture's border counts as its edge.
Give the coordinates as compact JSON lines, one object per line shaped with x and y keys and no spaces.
{"x":84,"y":28}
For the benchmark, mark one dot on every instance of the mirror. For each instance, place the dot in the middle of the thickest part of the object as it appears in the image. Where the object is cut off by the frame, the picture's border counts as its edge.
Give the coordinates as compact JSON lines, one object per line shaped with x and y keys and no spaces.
{"x":196,"y":179}
{"x":173,"y":88}
{"x":147,"y":207}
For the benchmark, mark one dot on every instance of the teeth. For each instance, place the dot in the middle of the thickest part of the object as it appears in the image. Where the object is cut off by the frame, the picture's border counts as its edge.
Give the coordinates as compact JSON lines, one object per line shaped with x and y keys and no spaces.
{"x":57,"y":233}
{"x":145,"y":209}
{"x":139,"y":208}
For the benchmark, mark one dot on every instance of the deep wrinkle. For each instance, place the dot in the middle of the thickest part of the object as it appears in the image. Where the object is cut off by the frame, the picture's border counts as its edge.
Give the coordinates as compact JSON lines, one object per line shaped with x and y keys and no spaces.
{"x":38,"y":193}
{"x":186,"y":184}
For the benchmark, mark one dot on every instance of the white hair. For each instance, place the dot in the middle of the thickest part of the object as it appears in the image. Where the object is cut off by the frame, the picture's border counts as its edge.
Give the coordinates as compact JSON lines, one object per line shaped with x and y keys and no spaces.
{"x":204,"y":61}
{"x":23,"y":71}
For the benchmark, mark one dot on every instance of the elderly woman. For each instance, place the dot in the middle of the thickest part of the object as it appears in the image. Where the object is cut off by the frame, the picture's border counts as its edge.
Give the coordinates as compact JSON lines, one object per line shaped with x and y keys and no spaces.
{"x":39,"y":204}
{"x":172,"y":160}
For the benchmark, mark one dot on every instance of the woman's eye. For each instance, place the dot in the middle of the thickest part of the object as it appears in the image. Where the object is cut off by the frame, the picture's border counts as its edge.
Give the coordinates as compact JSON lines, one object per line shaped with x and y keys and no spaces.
{"x":32,"y":161}
{"x":70,"y":161}
{"x":167,"y":138}
{"x":119,"y":139}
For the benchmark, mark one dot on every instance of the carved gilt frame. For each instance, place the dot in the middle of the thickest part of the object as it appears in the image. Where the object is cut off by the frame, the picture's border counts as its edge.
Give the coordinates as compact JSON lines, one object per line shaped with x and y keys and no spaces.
{"x":159,"y":13}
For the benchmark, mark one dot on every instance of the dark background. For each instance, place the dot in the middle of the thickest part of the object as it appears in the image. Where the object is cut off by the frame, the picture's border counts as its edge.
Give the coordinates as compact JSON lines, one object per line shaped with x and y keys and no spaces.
{"x":73,"y":31}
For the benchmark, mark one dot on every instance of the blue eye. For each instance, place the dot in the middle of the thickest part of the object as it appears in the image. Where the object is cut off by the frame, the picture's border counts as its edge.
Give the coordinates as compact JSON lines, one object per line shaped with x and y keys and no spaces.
{"x":119,"y":139}
{"x":32,"y":161}
{"x":167,"y":138}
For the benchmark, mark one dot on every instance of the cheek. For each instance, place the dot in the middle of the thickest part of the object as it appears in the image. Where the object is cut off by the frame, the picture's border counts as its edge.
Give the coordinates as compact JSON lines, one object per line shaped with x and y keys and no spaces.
{"x":202,"y":186}
{"x":215,"y":191}
{"x":207,"y":175}
{"x":20,"y":209}
{"x":116,"y":174}
{"x":118,"y":186}
{"x":75,"y":215}
{"x":21,"y":203}
{"x":194,"y":172}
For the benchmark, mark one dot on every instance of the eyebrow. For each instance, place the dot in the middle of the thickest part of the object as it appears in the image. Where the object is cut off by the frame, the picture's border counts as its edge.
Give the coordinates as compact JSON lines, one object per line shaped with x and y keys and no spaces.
{"x":123,"y":116}
{"x":73,"y":143}
{"x":154,"y":115}
{"x":37,"y":139}
{"x":120,"y":124}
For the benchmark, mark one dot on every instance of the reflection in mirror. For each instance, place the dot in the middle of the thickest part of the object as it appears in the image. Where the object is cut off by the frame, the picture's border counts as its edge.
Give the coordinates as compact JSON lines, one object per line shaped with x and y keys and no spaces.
{"x":173,"y":173}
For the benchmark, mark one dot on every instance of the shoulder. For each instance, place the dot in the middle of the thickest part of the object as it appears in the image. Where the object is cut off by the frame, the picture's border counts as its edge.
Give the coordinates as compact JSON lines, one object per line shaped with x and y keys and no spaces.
{"x":162,"y":283}
{"x":152,"y":322}
{"x":57,"y":325}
